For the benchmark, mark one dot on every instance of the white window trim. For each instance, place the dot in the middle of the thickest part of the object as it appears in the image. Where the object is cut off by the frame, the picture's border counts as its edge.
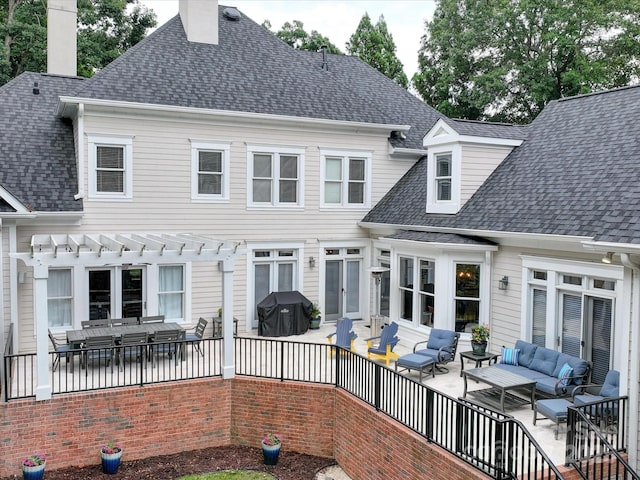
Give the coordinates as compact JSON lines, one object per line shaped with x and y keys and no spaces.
{"x":444,"y":206}
{"x":276,"y":152}
{"x":345,"y":154}
{"x":95,"y":141}
{"x":299,"y":273}
{"x":225,"y":148}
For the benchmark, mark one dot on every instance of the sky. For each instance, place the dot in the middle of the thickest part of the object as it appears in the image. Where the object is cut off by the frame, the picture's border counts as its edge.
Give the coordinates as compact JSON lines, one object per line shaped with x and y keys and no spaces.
{"x":336,"y":20}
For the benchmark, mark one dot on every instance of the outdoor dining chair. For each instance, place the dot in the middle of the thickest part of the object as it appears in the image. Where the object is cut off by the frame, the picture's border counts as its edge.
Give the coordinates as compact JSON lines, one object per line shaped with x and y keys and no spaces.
{"x":165,"y":341}
{"x":99,"y":348}
{"x":196,"y":337}
{"x":60,"y":350}
{"x":134,"y":346}
{"x":152,"y":319}
{"x":119,"y":322}
{"x":99,"y":322}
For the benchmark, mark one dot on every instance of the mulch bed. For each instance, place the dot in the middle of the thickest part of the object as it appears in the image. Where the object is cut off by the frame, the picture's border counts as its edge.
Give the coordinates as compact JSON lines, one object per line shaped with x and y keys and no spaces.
{"x":291,"y":465}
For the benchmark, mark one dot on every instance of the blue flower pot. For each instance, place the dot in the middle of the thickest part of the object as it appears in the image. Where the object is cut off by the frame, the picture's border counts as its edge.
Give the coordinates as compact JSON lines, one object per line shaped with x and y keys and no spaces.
{"x":33,"y":473}
{"x":111,"y":462}
{"x":270,"y":453}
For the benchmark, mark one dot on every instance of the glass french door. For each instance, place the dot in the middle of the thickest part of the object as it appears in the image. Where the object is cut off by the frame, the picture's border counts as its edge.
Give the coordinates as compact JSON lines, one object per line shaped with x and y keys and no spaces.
{"x":342,"y":289}
{"x":587,"y":331}
{"x":273,"y":271}
{"x":116,"y":293}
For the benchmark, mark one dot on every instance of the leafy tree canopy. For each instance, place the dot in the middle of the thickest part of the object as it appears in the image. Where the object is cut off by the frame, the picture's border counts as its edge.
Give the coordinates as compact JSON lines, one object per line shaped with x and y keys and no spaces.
{"x":294,"y":35}
{"x":106,"y":29}
{"x":374,"y":45}
{"x":504,"y":60}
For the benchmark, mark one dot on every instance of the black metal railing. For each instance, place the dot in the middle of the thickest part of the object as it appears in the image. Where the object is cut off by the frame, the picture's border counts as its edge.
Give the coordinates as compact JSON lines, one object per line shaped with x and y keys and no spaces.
{"x":596,"y":435}
{"x":81,"y":370}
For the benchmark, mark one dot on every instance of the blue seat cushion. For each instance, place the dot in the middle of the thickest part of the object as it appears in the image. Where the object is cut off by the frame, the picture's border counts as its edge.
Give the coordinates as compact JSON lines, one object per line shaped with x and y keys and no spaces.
{"x":611,"y":386}
{"x":525,"y":372}
{"x":527,"y":351}
{"x":579,"y":368}
{"x":439,"y":338}
{"x":412,"y":360}
{"x":545,"y":361}
{"x":554,"y":408}
{"x":436,"y":355}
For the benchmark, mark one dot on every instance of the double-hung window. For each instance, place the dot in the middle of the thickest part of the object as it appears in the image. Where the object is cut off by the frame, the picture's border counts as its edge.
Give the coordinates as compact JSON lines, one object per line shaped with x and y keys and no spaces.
{"x":346,"y":179}
{"x":171,"y":292}
{"x":275,"y":176}
{"x":443,"y":176}
{"x":209,"y":171}
{"x":110,"y":167}
{"x":60,"y":298}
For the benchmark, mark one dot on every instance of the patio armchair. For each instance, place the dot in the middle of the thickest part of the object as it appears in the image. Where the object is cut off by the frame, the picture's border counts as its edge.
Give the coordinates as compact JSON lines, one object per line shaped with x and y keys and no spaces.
{"x":196,"y":337}
{"x":99,"y":348}
{"x":60,"y":350}
{"x":603,"y":397}
{"x":132,"y":345}
{"x":387,"y":340}
{"x":344,"y":335}
{"x":441,"y":347}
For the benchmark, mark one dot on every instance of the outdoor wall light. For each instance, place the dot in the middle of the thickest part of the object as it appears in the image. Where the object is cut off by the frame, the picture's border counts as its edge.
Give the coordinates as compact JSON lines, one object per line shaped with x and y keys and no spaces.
{"x":608,"y":258}
{"x":312,"y":262}
{"x":503,"y":283}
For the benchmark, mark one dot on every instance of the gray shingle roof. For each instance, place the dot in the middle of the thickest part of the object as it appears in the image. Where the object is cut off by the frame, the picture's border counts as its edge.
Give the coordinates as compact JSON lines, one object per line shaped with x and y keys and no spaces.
{"x":251,"y":70}
{"x":576,"y":174}
{"x":36,"y":148}
{"x":435,"y":237}
{"x":488,"y":129}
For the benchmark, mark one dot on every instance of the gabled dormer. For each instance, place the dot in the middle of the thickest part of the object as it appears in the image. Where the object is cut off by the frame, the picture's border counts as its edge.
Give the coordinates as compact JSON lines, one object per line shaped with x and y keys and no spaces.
{"x":461,"y":156}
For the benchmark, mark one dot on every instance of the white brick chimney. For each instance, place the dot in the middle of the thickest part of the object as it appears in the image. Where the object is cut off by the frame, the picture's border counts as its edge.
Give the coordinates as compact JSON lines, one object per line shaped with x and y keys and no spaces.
{"x":62,"y":42}
{"x":200,"y":20}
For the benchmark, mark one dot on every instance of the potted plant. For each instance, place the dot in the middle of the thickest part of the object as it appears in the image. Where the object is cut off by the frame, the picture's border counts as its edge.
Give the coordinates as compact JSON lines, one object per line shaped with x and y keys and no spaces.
{"x":111,"y":454}
{"x":314,"y":323}
{"x":271,"y":444}
{"x":479,"y":337}
{"x":33,"y":466}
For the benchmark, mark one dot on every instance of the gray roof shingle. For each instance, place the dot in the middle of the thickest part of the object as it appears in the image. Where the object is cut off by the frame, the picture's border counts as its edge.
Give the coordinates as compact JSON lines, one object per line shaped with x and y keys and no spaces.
{"x":251,"y":70}
{"x":36,"y":148}
{"x":487,"y":129}
{"x":435,"y":237}
{"x":575,"y":174}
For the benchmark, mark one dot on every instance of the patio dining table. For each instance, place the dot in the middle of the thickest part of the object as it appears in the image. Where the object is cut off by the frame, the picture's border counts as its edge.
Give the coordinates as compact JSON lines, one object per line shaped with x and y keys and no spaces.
{"x":76,"y":338}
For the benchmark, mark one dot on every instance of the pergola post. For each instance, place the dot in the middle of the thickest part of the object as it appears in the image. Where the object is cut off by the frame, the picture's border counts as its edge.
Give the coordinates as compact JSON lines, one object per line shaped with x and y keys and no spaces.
{"x":43,"y":386}
{"x":228,"y":352}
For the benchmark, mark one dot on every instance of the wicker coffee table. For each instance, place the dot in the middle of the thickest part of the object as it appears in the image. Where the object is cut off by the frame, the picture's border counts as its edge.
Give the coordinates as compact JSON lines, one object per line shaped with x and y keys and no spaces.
{"x":500,"y":382}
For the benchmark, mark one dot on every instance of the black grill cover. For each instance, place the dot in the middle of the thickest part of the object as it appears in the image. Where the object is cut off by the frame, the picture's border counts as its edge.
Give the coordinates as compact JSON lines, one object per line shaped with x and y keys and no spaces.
{"x":283,"y":313}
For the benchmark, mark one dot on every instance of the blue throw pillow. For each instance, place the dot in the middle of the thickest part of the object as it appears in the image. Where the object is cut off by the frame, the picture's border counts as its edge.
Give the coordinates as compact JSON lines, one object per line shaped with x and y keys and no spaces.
{"x":565,"y":372}
{"x":510,"y":356}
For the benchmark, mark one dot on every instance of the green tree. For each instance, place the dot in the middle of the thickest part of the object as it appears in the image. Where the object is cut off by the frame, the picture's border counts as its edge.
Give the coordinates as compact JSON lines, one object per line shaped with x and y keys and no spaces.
{"x":294,"y":35}
{"x":504,"y":60}
{"x":106,"y":29}
{"x":374,"y":45}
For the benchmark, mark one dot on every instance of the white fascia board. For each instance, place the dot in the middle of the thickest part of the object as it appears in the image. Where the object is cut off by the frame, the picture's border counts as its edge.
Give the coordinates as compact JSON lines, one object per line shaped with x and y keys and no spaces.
{"x":13,"y":202}
{"x":604,"y":247}
{"x":44,"y":218}
{"x":481,"y":233}
{"x":441,"y":245}
{"x":406,"y":153}
{"x":68,"y":105}
{"x":451,"y":136}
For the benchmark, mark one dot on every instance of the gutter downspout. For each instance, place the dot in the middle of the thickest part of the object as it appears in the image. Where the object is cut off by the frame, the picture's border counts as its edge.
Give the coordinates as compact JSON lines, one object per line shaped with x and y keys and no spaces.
{"x":80,"y":152}
{"x":634,"y":368}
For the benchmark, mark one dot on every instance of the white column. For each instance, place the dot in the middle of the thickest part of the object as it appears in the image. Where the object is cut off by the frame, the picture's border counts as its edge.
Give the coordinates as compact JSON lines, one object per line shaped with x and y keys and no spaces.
{"x":43,"y":387}
{"x":228,"y":367}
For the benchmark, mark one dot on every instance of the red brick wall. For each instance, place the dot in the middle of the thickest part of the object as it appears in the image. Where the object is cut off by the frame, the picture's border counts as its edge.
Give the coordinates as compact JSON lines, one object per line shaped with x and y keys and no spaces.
{"x":155,"y":419}
{"x":172,"y":417}
{"x":368,"y":444}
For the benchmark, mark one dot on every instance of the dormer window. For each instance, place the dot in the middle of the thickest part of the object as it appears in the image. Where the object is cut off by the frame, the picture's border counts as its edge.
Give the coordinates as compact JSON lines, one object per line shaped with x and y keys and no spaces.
{"x":443,"y":176}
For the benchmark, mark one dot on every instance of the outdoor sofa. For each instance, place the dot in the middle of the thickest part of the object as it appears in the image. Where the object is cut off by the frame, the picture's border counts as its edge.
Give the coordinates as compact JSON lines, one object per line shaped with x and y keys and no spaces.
{"x":556,"y":374}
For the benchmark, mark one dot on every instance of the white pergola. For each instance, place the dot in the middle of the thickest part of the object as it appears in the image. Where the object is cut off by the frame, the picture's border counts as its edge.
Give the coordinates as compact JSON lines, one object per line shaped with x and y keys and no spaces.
{"x":101,"y":249}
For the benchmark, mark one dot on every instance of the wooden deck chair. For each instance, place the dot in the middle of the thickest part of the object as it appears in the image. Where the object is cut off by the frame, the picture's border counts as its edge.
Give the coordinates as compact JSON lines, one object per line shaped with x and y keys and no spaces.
{"x":344,"y":335}
{"x":383,"y":350}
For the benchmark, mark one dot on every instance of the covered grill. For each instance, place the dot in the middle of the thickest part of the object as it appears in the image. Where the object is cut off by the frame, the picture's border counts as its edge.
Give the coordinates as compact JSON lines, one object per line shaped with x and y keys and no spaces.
{"x":283,"y":313}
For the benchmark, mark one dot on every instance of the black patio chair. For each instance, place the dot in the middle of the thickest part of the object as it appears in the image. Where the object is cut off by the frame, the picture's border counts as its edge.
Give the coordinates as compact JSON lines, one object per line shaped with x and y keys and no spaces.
{"x":133,"y":346}
{"x":165,"y":341}
{"x":100,"y":348}
{"x":61,"y":350}
{"x":196,"y":337}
